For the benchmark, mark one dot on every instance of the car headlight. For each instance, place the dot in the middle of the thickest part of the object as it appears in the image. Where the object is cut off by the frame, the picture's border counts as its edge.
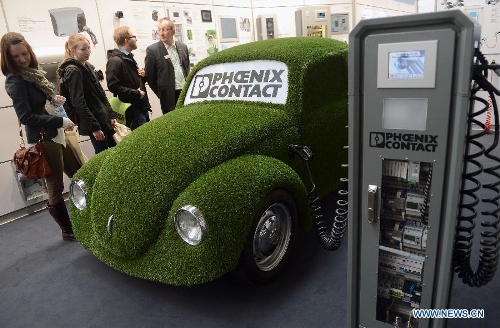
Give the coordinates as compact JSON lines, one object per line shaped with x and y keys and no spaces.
{"x":78,"y":194}
{"x":190,"y":224}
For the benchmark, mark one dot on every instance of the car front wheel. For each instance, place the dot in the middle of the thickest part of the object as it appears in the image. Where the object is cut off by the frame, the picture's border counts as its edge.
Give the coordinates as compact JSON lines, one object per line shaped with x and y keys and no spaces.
{"x":271,"y":238}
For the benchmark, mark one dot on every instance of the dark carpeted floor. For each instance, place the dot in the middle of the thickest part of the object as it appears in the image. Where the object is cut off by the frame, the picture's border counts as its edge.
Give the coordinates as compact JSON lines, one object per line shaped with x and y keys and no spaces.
{"x":46,"y":282}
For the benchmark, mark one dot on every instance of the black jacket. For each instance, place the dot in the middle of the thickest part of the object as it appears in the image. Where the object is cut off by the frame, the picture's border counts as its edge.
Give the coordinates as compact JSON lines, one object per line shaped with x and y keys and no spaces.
{"x":123,"y":80}
{"x":28,"y":101}
{"x":160,"y":72}
{"x":84,"y":93}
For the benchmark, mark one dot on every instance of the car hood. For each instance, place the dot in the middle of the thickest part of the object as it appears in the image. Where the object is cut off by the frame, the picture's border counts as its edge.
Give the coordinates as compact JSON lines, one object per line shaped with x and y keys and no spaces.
{"x":144,"y":174}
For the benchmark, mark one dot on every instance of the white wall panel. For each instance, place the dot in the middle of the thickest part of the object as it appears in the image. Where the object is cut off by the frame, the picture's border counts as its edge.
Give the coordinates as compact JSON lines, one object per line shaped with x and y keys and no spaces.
{"x":192,"y":30}
{"x":109,"y":21}
{"x":35,"y":22}
{"x":285,"y":19}
{"x":10,"y":134}
{"x":342,"y":9}
{"x":244,"y":35}
{"x":328,"y":2}
{"x":42,"y":29}
{"x":488,"y":16}
{"x":392,"y":5}
{"x":366,"y":2}
{"x":138,"y":15}
{"x":4,"y":98}
{"x":191,"y":2}
{"x":10,"y":195}
{"x":278,"y":3}
{"x":381,"y":3}
{"x":425,"y":6}
{"x":3,"y":23}
{"x":232,"y":3}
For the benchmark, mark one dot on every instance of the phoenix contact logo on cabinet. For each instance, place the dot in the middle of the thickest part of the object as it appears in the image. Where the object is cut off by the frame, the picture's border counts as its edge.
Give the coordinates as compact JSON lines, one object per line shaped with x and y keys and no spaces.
{"x":404,"y":141}
{"x":258,"y":80}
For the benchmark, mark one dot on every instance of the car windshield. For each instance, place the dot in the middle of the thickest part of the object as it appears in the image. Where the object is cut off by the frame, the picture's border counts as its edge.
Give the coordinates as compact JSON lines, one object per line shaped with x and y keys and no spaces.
{"x":257,"y":80}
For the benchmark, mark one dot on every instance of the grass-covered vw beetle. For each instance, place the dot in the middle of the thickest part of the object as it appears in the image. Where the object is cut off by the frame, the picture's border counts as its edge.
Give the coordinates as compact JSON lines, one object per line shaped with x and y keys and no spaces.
{"x":211,"y":187}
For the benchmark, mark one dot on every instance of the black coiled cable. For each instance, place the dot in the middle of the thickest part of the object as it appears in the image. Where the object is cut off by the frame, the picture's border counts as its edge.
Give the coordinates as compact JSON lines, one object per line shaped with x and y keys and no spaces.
{"x":329,"y":238}
{"x":424,"y":206}
{"x":489,"y":251}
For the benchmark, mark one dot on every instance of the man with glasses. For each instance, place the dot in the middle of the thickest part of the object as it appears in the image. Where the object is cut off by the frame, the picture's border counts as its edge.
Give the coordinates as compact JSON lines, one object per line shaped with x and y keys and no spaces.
{"x":167,"y":65}
{"x":126,"y":80}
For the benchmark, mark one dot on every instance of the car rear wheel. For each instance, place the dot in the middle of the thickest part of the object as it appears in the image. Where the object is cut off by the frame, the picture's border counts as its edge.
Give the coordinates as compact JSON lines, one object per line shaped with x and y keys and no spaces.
{"x":271,"y":238}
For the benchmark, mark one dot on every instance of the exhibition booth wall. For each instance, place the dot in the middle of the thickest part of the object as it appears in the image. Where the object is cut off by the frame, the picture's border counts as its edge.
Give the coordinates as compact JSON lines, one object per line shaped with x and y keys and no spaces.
{"x":205,"y":26}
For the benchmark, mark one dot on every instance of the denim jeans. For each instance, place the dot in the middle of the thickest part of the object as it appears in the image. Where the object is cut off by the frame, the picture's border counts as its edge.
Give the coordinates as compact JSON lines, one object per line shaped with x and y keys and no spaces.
{"x":100,"y":145}
{"x":139,"y":118}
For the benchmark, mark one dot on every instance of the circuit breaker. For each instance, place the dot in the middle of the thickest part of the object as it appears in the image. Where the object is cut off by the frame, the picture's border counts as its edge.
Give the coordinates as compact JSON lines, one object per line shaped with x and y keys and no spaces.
{"x":409,"y":82}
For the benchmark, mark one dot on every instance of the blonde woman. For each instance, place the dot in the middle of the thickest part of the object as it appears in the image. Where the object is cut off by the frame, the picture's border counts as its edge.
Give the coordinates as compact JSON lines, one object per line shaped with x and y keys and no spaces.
{"x":29,"y":89}
{"x":85,"y":95}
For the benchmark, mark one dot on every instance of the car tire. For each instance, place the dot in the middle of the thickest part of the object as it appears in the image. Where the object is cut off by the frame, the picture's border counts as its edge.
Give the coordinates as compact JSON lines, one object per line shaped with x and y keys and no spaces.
{"x":270,"y":241}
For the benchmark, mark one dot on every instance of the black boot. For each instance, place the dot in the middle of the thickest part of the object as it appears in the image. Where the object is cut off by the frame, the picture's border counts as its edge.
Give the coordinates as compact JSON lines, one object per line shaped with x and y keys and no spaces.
{"x":60,"y":214}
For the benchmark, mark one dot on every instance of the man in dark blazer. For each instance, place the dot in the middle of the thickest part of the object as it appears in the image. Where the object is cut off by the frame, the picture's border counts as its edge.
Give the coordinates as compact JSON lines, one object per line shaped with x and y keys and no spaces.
{"x":167,"y":66}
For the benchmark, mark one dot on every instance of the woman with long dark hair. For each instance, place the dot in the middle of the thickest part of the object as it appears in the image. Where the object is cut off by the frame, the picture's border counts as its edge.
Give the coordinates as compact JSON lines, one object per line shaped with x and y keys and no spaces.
{"x":30,"y":92}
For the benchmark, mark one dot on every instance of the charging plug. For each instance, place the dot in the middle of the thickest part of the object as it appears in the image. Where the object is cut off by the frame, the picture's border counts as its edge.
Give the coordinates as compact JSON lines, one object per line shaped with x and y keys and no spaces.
{"x":303,"y":151}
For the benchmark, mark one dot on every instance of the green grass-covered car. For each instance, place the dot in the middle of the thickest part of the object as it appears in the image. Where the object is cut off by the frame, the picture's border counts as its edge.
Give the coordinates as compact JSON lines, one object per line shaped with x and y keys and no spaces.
{"x":210,"y":187}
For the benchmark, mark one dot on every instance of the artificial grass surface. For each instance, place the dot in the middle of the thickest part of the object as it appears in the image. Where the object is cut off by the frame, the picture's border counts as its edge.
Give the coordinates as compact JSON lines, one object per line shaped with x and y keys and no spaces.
{"x":221,"y":156}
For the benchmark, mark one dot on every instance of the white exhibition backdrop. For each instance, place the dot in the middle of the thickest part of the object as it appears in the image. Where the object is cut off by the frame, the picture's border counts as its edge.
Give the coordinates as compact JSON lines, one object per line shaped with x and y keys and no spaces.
{"x":488,"y":16}
{"x":33,"y":20}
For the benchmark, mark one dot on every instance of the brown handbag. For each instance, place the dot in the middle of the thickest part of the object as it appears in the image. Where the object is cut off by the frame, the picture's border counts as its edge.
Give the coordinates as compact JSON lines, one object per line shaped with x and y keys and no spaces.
{"x":31,"y":162}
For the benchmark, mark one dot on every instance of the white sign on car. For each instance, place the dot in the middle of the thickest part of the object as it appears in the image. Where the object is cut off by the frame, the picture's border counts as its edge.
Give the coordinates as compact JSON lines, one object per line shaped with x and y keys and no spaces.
{"x":257,"y":80}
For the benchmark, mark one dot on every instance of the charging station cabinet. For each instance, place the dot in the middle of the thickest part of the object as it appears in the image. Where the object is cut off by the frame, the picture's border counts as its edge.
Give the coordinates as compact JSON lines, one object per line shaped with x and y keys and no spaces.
{"x":409,"y":86}
{"x":313,"y":21}
{"x":64,"y":20}
{"x":70,"y":20}
{"x":267,"y":27}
